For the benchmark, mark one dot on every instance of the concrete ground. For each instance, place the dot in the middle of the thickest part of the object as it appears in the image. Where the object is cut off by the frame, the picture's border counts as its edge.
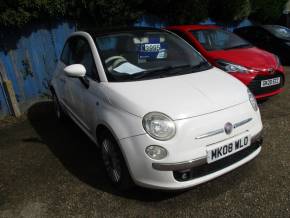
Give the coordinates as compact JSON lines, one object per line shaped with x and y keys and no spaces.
{"x":52,"y":170}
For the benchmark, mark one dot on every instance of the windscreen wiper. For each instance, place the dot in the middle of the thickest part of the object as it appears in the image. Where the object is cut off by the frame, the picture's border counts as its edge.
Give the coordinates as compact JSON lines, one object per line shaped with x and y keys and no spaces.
{"x":160,"y":72}
{"x":171,"y":71}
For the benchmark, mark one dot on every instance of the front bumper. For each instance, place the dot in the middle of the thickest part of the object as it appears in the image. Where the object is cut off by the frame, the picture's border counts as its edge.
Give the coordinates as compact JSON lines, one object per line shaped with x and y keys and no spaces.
{"x":186,"y":166}
{"x":253,"y":81}
{"x":186,"y":145}
{"x":260,"y":93}
{"x":206,"y":169}
{"x":144,"y":175}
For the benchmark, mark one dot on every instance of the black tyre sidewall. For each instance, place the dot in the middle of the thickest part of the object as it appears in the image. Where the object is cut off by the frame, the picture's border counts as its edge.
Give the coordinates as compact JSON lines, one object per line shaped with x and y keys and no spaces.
{"x":125,"y":181}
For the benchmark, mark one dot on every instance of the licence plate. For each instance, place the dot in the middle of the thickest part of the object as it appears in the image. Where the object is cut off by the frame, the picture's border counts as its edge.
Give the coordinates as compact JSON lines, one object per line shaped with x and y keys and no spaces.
{"x":270,"y":82}
{"x":222,"y":151}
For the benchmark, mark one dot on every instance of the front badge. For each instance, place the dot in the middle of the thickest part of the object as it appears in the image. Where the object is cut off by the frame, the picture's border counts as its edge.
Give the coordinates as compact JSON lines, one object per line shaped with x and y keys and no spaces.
{"x":228,"y":128}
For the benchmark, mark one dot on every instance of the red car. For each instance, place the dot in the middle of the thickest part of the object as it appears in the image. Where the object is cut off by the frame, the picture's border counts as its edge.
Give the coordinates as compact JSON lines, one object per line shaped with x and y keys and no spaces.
{"x":261,"y":71}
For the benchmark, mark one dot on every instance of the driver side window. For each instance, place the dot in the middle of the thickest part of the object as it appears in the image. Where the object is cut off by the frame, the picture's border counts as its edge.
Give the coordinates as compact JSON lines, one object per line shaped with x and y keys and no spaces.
{"x":82,"y":54}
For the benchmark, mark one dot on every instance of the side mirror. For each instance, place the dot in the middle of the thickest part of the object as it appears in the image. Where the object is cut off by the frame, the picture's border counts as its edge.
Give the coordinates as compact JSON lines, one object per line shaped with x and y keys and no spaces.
{"x":75,"y":70}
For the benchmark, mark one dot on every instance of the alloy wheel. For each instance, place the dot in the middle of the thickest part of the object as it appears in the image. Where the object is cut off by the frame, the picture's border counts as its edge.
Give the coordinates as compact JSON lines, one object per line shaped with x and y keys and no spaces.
{"x":112,"y":161}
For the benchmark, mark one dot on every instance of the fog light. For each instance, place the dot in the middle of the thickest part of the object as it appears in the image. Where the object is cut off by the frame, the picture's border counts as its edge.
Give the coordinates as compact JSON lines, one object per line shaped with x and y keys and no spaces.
{"x":184,"y":176}
{"x":156,"y":152}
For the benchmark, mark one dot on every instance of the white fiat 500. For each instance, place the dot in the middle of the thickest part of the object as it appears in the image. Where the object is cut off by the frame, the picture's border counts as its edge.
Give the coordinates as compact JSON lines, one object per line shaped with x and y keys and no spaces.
{"x":163,"y":117}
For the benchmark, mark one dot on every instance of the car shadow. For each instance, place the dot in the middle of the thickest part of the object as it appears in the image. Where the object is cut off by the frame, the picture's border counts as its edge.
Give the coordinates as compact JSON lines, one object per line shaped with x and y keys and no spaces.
{"x":78,"y":154}
{"x":82,"y":159}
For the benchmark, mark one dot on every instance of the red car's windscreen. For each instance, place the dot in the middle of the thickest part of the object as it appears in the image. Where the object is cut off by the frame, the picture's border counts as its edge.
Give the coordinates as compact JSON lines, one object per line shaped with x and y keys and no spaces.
{"x":217,"y":39}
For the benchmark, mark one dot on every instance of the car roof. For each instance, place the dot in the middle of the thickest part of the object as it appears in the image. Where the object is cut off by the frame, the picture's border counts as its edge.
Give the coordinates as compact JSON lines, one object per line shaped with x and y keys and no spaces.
{"x":114,"y":30}
{"x":192,"y":27}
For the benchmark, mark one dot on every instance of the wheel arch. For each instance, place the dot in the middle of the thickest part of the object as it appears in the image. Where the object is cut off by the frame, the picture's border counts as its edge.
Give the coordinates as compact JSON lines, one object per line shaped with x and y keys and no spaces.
{"x":102,"y":128}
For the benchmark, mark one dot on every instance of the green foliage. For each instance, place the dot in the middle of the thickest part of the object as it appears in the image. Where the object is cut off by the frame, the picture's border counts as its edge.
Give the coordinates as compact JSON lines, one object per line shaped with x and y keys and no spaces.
{"x":101,"y":12}
{"x":104,"y":12}
{"x":124,"y":12}
{"x":178,"y":12}
{"x":229,"y":10}
{"x":19,"y":12}
{"x":267,"y":11}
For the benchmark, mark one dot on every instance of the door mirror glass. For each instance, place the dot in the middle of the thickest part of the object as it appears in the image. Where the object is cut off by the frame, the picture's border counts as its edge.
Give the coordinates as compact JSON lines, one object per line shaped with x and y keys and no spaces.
{"x":75,"y":70}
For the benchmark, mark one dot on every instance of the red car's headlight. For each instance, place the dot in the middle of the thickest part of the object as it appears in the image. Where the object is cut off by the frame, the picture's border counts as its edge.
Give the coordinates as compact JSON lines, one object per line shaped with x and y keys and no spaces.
{"x":231,"y":67}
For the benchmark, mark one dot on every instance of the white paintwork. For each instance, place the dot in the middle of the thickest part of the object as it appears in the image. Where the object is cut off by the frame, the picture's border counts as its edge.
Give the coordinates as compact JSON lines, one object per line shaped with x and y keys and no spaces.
{"x":198,"y":103}
{"x":179,"y":97}
{"x":75,"y":70}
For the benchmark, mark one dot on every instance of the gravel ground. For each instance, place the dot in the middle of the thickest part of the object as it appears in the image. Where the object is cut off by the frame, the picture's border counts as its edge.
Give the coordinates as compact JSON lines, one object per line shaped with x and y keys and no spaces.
{"x":52,"y":170}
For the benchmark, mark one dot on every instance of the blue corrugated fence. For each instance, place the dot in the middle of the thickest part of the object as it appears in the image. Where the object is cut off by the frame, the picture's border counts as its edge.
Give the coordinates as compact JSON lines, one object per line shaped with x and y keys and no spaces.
{"x":29,"y":57}
{"x":4,"y":107}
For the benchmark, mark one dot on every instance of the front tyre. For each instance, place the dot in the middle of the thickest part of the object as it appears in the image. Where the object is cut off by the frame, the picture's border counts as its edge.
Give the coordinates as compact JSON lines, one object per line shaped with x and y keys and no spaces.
{"x":114,"y":163}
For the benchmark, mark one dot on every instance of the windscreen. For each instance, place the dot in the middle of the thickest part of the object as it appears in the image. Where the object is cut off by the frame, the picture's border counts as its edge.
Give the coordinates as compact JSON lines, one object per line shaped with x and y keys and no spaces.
{"x":137,"y":55}
{"x":218,"y":39}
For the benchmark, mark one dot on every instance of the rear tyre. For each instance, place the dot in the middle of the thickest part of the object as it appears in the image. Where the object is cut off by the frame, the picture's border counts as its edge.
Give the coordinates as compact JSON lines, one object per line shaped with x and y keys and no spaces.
{"x":114,"y":163}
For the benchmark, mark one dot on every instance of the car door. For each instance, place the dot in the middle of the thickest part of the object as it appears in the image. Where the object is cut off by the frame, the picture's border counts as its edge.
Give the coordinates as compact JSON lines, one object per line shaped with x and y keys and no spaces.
{"x":93,"y":94}
{"x":84,"y":92}
{"x":61,"y":76}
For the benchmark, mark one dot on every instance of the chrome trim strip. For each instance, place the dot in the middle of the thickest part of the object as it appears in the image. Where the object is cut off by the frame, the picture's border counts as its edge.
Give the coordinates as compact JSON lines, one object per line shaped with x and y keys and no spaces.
{"x":179,"y":166}
{"x":226,"y":139}
{"x":236,"y":125}
{"x":220,"y":131}
{"x":209,"y":134}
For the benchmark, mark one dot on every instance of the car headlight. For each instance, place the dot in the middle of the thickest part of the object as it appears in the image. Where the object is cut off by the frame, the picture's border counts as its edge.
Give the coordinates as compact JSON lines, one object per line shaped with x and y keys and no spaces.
{"x":231,"y":68}
{"x":159,"y":126}
{"x":253,"y":100}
